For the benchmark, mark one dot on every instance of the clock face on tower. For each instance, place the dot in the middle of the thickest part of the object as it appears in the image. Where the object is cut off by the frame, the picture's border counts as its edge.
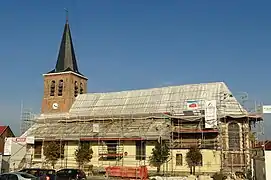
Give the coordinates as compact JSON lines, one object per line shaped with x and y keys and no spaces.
{"x":55,"y":106}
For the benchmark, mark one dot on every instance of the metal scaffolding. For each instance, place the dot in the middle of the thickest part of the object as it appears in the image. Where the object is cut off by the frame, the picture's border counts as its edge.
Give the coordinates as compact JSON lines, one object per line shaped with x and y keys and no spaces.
{"x":107,"y":120}
{"x":27,"y":119}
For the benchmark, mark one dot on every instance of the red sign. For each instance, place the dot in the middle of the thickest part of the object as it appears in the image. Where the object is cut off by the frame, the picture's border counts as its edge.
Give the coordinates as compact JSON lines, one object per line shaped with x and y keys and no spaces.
{"x":19,"y":139}
{"x":191,"y":105}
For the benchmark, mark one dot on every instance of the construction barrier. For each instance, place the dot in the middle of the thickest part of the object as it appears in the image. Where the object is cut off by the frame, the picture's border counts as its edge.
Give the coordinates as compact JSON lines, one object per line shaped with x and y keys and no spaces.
{"x":140,"y":172}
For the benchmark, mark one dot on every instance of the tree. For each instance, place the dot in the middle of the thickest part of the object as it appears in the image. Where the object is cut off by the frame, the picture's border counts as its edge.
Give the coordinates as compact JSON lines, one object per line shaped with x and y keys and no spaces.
{"x":193,"y":158}
{"x":83,"y":154}
{"x":160,"y":154}
{"x":52,"y":152}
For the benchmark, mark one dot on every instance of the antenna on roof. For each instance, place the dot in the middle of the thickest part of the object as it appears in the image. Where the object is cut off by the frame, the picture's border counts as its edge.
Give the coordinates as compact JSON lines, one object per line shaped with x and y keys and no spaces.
{"x":67,"y":14}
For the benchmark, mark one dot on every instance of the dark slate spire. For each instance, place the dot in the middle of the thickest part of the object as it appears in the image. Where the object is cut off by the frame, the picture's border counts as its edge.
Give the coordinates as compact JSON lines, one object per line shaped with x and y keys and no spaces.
{"x":66,"y":60}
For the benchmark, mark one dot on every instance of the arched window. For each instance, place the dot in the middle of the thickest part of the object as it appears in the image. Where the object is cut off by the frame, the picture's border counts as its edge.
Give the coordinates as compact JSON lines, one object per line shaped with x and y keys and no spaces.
{"x":60,"y":87}
{"x":75,"y":89}
{"x":234,"y":136}
{"x":81,"y":88}
{"x":52,"y":88}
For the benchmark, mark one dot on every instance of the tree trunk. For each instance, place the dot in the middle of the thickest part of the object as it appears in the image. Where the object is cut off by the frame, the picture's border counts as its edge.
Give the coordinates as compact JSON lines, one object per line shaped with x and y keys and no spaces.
{"x":158,"y":169}
{"x":191,"y":171}
{"x":194,"y":170}
{"x":80,"y":165}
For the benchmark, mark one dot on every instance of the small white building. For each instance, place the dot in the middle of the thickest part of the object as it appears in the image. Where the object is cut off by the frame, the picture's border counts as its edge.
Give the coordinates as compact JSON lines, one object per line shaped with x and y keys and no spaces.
{"x":262,"y":161}
{"x":16,"y":154}
{"x":267,"y":159}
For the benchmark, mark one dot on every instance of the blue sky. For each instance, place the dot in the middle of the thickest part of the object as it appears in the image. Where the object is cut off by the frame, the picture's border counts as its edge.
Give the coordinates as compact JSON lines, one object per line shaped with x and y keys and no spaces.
{"x":124,"y":44}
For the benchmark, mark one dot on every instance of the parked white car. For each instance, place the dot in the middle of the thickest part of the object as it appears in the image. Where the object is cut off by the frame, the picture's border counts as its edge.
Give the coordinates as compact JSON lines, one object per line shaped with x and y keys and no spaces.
{"x":17,"y":176}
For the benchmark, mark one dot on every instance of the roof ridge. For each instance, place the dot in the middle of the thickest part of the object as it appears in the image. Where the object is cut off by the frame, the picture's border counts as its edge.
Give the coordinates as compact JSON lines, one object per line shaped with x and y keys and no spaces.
{"x":153,"y":88}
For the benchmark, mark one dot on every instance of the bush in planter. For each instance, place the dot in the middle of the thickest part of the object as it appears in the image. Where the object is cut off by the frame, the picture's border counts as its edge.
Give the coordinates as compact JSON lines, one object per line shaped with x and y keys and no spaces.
{"x":219,"y":176}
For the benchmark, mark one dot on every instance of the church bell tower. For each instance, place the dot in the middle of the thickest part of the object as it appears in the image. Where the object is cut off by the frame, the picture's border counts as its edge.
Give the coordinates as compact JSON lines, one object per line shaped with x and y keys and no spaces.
{"x":64,"y":83}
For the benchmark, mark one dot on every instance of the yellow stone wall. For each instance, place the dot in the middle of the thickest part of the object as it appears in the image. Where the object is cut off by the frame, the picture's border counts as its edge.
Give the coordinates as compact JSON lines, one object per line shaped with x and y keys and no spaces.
{"x":211,"y":158}
{"x":210,"y":161}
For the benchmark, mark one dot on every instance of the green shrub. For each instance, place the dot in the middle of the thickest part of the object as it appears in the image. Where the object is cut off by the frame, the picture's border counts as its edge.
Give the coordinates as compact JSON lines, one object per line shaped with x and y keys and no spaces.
{"x":219,"y":176}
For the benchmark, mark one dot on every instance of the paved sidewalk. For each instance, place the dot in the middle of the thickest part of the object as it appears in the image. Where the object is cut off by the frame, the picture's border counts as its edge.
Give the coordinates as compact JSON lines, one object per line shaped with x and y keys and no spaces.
{"x":101,"y":178}
{"x":96,"y":177}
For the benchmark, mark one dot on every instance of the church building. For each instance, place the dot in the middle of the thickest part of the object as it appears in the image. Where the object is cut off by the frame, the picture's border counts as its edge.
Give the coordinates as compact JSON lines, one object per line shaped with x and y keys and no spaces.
{"x":122,"y":127}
